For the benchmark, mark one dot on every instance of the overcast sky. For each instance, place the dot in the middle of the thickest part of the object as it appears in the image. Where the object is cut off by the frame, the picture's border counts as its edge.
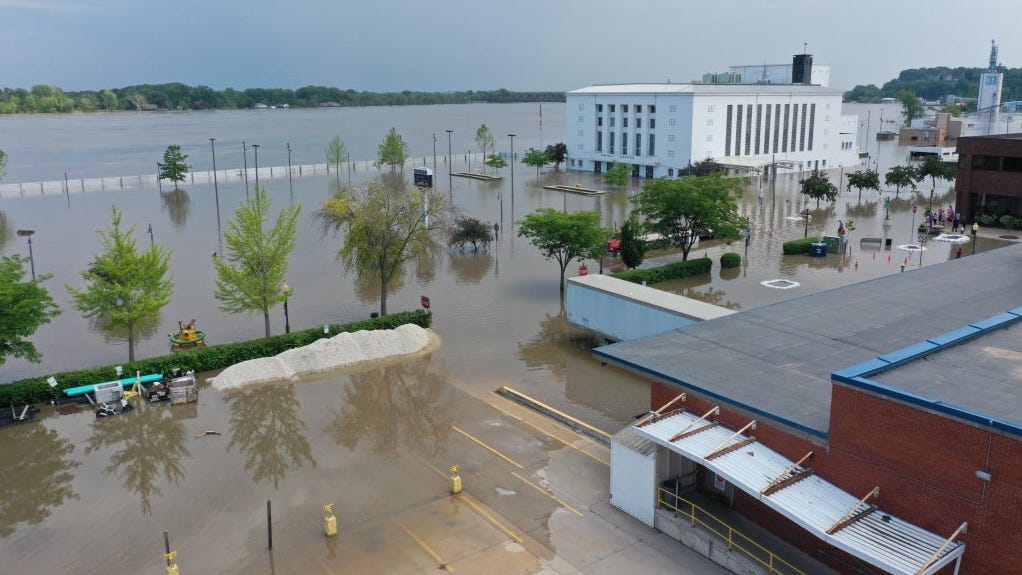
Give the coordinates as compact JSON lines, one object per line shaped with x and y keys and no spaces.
{"x":388,"y":45}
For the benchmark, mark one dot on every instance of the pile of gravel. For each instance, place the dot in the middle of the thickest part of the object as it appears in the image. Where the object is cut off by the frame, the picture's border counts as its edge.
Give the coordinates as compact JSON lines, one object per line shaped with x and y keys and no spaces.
{"x":342,"y":350}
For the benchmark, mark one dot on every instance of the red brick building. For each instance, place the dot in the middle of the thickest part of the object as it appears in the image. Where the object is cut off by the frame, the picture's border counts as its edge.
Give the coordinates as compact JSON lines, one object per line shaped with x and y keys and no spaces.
{"x":911,"y":384}
{"x":989,"y":176}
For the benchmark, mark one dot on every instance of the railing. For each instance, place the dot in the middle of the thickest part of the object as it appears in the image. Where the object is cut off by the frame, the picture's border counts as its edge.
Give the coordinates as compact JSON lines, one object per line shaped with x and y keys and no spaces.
{"x":734,"y":538}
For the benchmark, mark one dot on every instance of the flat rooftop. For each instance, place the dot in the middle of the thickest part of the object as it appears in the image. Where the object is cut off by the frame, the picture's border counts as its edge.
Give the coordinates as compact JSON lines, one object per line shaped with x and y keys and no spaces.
{"x":776,"y":360}
{"x":715,"y":89}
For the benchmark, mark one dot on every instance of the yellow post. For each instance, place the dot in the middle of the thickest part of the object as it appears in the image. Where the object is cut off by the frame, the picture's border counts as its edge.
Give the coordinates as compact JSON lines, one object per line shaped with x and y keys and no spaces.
{"x":171,"y":565}
{"x":455,"y":480}
{"x":329,"y":521}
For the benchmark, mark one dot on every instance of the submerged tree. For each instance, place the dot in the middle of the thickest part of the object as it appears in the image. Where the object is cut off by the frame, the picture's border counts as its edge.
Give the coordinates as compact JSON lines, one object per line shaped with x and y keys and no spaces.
{"x":564,"y":237}
{"x":124,"y":289}
{"x":901,"y":177}
{"x":393,"y":151}
{"x":174,"y":166}
{"x":471,"y":231}
{"x":818,"y":187}
{"x":911,"y":106}
{"x":557,"y":153}
{"x":496,"y":162}
{"x":26,"y":306}
{"x":869,"y":180}
{"x":633,"y":248}
{"x":250,"y":275}
{"x":484,"y":139}
{"x":535,"y":158}
{"x":3,"y":163}
{"x":617,"y":174}
{"x":337,"y":152}
{"x":385,"y":228}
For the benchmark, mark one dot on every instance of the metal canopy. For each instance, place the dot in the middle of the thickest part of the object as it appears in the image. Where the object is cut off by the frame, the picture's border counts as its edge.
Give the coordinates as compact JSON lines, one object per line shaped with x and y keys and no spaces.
{"x":818,"y":506}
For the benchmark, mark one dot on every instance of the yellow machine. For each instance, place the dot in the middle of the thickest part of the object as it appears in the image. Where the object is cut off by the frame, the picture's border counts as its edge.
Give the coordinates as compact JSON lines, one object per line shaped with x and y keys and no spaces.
{"x":329,"y":521}
{"x":455,"y":480}
{"x":187,"y":335}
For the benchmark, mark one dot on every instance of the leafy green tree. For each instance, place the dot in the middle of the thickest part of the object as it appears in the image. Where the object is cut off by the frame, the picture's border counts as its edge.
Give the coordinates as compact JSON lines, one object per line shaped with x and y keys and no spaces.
{"x":701,"y":168}
{"x":900,"y":177}
{"x":125,"y":290}
{"x":819,"y":187}
{"x":911,"y":106}
{"x":633,"y":248}
{"x":337,"y":152}
{"x":860,"y":180}
{"x":393,"y":151}
{"x":617,"y":174}
{"x":935,"y":169}
{"x":3,"y":163}
{"x":496,"y":162}
{"x":251,"y":273}
{"x":557,"y":153}
{"x":564,"y":237}
{"x":484,"y":139}
{"x":384,"y":229}
{"x":470,"y":231}
{"x":174,"y":166}
{"x":26,"y":304}
{"x":535,"y":158}
{"x":681,"y":210}
{"x":866,"y":94}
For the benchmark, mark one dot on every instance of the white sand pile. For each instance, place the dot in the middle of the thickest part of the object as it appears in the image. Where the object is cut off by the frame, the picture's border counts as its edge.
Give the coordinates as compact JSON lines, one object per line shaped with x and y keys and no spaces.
{"x":342,"y":350}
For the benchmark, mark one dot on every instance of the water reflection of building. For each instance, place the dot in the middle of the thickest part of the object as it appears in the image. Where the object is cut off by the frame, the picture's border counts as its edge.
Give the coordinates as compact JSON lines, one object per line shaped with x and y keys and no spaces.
{"x":879,"y":388}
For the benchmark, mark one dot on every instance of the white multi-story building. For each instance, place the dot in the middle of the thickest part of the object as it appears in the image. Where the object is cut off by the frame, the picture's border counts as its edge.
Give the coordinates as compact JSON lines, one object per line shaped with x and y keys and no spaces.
{"x":659,"y":129}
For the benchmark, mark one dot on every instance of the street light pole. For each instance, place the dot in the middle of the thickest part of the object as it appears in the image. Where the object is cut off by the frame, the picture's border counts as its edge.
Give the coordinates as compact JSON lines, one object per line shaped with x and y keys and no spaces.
{"x":256,"y":148}
{"x":31,"y":258}
{"x":152,"y":241}
{"x":512,"y":136}
{"x":290,"y":184}
{"x":450,"y":166}
{"x":159,"y":180}
{"x":433,"y":184}
{"x":975,"y":230}
{"x":244,"y":150}
{"x":216,"y":187}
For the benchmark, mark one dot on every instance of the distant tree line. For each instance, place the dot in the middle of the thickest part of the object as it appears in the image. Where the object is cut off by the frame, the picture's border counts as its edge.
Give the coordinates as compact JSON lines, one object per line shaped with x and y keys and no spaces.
{"x":177,"y":96}
{"x":935,"y":83}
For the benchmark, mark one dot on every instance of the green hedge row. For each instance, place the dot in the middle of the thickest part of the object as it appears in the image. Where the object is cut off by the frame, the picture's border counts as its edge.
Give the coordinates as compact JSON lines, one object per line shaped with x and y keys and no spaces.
{"x":207,"y":358}
{"x":799,"y":246}
{"x":666,"y":272}
{"x":730,"y":260}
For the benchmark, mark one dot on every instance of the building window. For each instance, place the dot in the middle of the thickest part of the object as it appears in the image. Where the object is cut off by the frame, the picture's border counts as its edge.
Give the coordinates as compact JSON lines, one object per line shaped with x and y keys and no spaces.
{"x":611,"y":142}
{"x":581,"y":106}
{"x":671,"y":137}
{"x":638,"y":123}
{"x":578,"y":147}
{"x":711,"y":109}
{"x":599,"y":108}
{"x":709,"y":122}
{"x":824,"y":162}
{"x":652,"y":123}
{"x":624,"y":122}
{"x":671,"y":121}
{"x":812,"y":123}
{"x":651,"y":148}
{"x":638,"y":144}
{"x":709,"y":137}
{"x":649,"y":171}
{"x":581,"y":119}
{"x":612,"y":108}
{"x":759,"y":124}
{"x":599,"y":120}
{"x":672,"y":109}
{"x":670,"y":172}
{"x":777,"y":125}
{"x":651,"y":109}
{"x":727,"y":131}
{"x":624,"y":144}
{"x":581,"y":132}
{"x":787,"y":129}
{"x":612,"y":118}
{"x":599,"y":142}
{"x":766,"y":130}
{"x":802,"y":131}
{"x":738,"y":131}
{"x":748,"y":129}
{"x":670,"y":153}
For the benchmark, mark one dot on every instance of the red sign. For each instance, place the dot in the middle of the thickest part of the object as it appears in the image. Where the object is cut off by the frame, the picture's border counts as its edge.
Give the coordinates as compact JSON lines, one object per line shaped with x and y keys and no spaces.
{"x":425,"y":302}
{"x":582,"y":271}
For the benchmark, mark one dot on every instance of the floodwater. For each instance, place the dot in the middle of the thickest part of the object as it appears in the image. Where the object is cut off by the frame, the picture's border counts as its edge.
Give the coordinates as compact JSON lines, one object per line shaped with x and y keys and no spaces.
{"x":81,"y":495}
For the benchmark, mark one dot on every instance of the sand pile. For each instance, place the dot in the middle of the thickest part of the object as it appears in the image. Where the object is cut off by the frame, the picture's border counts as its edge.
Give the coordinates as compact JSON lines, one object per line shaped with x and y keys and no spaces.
{"x":342,"y":350}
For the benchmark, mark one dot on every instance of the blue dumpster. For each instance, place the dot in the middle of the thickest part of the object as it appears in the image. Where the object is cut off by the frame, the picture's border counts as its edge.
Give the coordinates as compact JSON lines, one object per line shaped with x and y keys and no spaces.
{"x":818,"y":250}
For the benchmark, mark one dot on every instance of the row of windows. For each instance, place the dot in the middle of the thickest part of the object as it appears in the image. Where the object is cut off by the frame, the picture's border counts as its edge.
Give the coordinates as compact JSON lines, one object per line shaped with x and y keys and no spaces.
{"x":650,"y":149}
{"x":780,"y":131}
{"x":637,"y":108}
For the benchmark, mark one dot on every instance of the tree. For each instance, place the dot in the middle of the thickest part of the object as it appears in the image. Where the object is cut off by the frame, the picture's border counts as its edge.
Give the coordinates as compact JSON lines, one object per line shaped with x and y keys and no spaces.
{"x":535,"y":158}
{"x":564,"y":237}
{"x":911,"y":106}
{"x":138,"y":100}
{"x":125,"y":290}
{"x":337,"y":152}
{"x":484,"y":139}
{"x":26,"y":304}
{"x":557,"y":153}
{"x":252,"y":270}
{"x":3,"y":163}
{"x":681,"y":210}
{"x":869,"y":180}
{"x":633,"y":248}
{"x":617,"y":174}
{"x":935,"y":169}
{"x":385,"y":228}
{"x":496,"y":162}
{"x":901,"y":176}
{"x":174,"y":166}
{"x":701,"y":168}
{"x":470,"y":231}
{"x":819,"y":187}
{"x":866,"y":94}
{"x":393,"y":151}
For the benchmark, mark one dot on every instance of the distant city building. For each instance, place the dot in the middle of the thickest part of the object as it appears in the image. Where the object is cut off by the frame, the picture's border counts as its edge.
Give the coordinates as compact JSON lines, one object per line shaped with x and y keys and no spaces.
{"x":660,"y":129}
{"x":989,"y":176}
{"x":990,"y":85}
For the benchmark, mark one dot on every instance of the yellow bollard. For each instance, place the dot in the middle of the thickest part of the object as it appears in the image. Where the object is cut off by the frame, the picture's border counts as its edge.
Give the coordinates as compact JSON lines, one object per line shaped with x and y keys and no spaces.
{"x":455,"y":480}
{"x":329,"y":521}
{"x":171,"y":565}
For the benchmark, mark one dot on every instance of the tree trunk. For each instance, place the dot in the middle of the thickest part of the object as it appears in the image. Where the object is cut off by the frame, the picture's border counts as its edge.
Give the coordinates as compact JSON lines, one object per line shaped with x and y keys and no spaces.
{"x":564,"y":266}
{"x":266,"y":322}
{"x":383,"y":296}
{"x":131,"y":343}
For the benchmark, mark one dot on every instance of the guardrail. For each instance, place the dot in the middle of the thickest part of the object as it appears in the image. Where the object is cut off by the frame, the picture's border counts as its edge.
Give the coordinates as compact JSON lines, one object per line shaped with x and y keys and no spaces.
{"x":735,"y":539}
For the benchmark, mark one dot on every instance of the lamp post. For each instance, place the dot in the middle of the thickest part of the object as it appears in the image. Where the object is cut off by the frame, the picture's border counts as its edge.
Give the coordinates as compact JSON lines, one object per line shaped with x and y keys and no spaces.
{"x":256,"y":148}
{"x":287,"y":292}
{"x":512,"y":136}
{"x":434,"y":158}
{"x":912,"y":232}
{"x":975,"y":230}
{"x":805,"y":216}
{"x":244,"y":150}
{"x":159,"y":180}
{"x":450,"y":165}
{"x":216,"y":187}
{"x":290,"y":184}
{"x":152,"y":241}
{"x":31,"y":259}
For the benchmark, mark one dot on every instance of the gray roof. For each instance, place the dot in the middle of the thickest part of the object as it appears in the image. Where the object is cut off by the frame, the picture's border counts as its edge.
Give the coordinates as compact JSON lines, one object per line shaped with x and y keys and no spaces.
{"x":714,"y":89}
{"x":777,"y":360}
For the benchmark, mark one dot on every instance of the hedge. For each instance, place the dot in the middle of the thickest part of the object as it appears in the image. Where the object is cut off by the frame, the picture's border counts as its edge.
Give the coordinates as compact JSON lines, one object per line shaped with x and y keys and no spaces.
{"x":730,"y":260}
{"x":800,"y":246}
{"x":206,"y":358}
{"x":666,"y":272}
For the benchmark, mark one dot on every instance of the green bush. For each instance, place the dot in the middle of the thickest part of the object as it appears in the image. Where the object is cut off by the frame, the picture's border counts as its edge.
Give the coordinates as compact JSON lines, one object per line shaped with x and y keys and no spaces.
{"x":1008,"y":222}
{"x":206,"y":358}
{"x":666,"y":272}
{"x":799,"y":246}
{"x":730,"y":260}
{"x":986,"y":219}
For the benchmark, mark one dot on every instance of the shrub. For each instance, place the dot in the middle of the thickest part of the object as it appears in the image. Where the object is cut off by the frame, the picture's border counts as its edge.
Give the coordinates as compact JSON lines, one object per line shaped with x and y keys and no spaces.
{"x":1008,"y":222}
{"x":666,"y":272}
{"x":799,"y":246}
{"x":730,"y":260}
{"x":206,"y":358}
{"x":986,"y":219}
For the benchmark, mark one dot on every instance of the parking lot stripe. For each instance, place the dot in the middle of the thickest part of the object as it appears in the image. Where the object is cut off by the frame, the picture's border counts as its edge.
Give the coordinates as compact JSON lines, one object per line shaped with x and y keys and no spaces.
{"x":490,"y":449}
{"x":552,"y":436}
{"x":548,"y":494}
{"x":425,"y":547}
{"x":507,"y":531}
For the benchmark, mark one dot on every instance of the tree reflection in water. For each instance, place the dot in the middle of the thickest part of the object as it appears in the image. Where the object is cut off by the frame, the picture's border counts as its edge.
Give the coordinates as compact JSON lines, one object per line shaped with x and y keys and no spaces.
{"x":35,"y":474}
{"x":265,"y":427}
{"x":6,"y":231}
{"x":399,"y":407}
{"x":471,"y":267}
{"x":151,"y":443}
{"x":549,"y":349}
{"x":177,"y":204}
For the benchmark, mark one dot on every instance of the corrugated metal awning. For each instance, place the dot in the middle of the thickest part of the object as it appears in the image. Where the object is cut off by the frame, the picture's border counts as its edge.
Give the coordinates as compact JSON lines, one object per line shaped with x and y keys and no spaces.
{"x":870,"y":534}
